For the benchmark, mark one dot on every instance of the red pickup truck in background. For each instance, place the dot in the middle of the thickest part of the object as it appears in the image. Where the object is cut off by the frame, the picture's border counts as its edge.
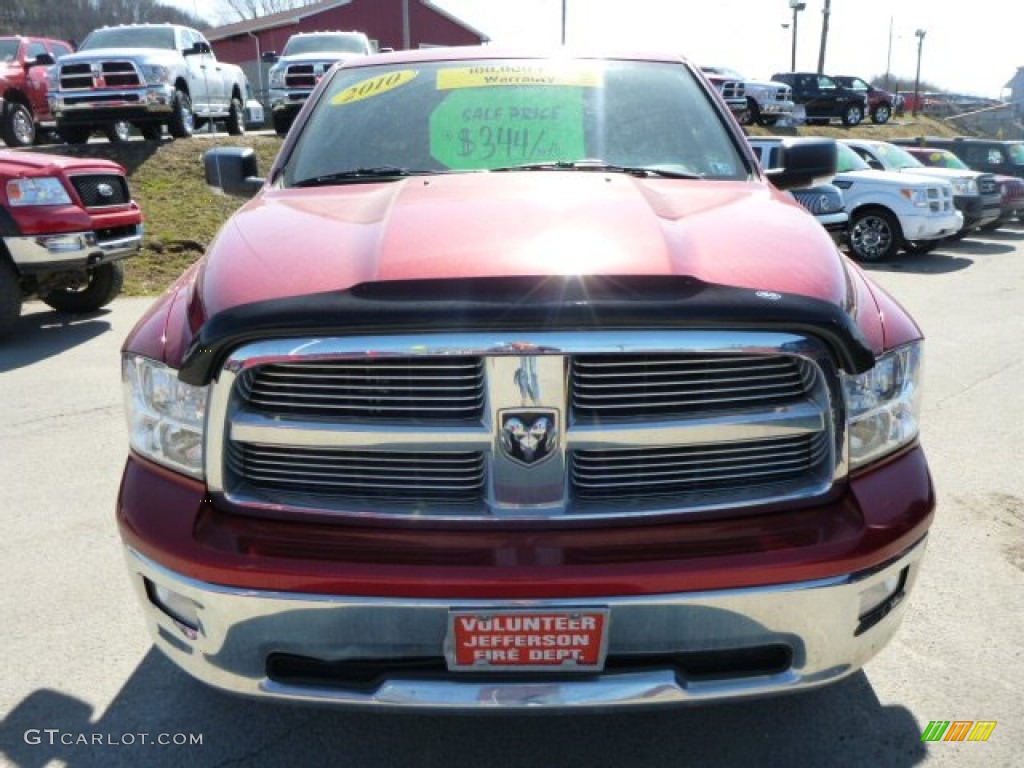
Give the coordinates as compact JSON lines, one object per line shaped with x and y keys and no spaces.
{"x":520,"y":385}
{"x":65,"y":225}
{"x":24,"y":66}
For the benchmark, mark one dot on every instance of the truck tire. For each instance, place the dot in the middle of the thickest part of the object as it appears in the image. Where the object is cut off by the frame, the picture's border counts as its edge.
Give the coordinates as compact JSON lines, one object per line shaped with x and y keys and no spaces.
{"x":875,"y":235}
{"x":117,"y":132}
{"x":236,"y":118}
{"x":17,"y":126}
{"x":10,"y":298}
{"x":182,"y":123}
{"x":753,"y":114}
{"x":104,"y":284}
{"x":282,"y":124}
{"x":921,"y":247}
{"x":853,"y":114}
{"x":881,"y":114}
{"x":75,"y":134}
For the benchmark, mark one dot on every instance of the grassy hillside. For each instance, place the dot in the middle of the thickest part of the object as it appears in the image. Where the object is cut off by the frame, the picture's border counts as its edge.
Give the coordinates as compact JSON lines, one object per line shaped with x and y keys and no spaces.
{"x":183,"y":214}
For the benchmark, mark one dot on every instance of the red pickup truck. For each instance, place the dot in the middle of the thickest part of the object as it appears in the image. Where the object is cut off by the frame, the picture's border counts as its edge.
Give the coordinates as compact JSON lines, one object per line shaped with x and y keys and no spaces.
{"x":24,"y":66}
{"x":65,"y":225}
{"x":520,"y":385}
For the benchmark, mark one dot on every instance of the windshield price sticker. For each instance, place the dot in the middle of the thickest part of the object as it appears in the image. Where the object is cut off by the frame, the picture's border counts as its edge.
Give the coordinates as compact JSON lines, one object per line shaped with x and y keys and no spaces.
{"x":517,"y":640}
{"x":479,"y":129}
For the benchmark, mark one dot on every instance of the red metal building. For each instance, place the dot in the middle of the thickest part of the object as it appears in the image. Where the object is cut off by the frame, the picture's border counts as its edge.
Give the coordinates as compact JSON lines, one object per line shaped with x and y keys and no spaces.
{"x":394,"y":24}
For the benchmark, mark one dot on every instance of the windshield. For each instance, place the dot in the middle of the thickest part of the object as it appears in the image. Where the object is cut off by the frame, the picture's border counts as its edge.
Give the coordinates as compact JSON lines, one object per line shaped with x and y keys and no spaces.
{"x":8,"y":50}
{"x":130,"y":37}
{"x":730,"y":73}
{"x":438,"y":117}
{"x":848,"y":160}
{"x":853,"y":83}
{"x":325,"y":44}
{"x":941,"y":158}
{"x":895,"y":157}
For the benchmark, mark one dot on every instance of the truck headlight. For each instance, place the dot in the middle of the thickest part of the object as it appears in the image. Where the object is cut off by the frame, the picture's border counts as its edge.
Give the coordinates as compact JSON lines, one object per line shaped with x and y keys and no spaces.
{"x":46,"y":190}
{"x":156,"y":73}
{"x":883,"y":405}
{"x":276,"y":77}
{"x":166,"y":417}
{"x":965,"y":187}
{"x":918,"y":197}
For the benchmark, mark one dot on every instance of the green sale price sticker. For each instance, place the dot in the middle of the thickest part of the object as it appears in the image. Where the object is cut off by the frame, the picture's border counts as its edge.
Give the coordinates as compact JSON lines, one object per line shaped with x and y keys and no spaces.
{"x":482,"y":128}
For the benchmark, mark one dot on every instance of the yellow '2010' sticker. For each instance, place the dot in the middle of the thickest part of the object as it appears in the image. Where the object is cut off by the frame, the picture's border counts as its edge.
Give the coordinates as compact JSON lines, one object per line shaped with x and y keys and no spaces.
{"x":374,"y":86}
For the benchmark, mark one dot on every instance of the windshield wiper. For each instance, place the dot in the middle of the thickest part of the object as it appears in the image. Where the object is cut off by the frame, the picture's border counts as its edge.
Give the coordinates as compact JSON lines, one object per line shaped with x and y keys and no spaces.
{"x":597,"y":165}
{"x":357,"y":174}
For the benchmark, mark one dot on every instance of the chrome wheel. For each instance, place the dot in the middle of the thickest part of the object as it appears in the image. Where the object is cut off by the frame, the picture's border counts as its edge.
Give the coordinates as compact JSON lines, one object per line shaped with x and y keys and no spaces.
{"x":874,"y":236}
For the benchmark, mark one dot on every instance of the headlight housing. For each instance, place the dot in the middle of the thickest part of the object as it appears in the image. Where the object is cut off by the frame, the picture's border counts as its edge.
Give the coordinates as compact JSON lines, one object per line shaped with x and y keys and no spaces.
{"x":965,"y":186}
{"x":46,"y":190}
{"x":276,"y":76}
{"x":166,"y":417}
{"x":155,"y":73}
{"x":918,"y":197}
{"x":883,"y":405}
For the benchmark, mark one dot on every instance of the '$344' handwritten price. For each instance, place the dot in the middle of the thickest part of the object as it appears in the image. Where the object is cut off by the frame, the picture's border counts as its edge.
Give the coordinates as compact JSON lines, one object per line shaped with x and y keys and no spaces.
{"x":506,"y":144}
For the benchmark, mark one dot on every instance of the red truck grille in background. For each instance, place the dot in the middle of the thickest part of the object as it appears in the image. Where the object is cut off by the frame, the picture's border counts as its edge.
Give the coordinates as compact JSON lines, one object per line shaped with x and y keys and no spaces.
{"x":101,"y":190}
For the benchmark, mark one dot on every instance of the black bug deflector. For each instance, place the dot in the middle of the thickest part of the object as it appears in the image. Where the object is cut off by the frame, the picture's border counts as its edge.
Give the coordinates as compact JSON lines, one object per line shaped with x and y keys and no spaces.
{"x":525,"y":304}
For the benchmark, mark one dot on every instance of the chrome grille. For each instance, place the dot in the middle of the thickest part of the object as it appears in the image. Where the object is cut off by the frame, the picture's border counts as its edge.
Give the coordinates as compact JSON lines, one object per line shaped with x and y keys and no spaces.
{"x":641,"y":423}
{"x":707,"y":469}
{"x":106,"y":74}
{"x":102,"y":190}
{"x":448,"y":388}
{"x":305,"y":75}
{"x":456,"y":477}
{"x":626,"y":386}
{"x":987,"y":185}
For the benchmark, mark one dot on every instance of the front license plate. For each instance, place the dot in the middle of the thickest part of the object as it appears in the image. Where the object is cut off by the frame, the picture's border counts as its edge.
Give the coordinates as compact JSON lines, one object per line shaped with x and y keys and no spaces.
{"x":514,"y":640}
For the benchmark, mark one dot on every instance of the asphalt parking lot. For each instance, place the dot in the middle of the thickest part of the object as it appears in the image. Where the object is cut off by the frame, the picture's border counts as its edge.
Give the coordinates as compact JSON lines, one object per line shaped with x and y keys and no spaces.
{"x":80,"y":684}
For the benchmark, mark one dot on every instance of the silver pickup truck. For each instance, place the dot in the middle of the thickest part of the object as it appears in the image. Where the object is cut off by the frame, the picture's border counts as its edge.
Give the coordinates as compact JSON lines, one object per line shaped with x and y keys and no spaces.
{"x":149,"y":75}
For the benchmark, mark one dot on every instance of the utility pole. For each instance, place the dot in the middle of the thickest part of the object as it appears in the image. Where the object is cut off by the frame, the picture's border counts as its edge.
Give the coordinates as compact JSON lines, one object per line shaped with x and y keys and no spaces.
{"x":826,"y":11}
{"x":797,"y":6}
{"x":917,"y":79}
{"x":888,"y":60}
{"x":563,"y":22}
{"x":406,"y":32}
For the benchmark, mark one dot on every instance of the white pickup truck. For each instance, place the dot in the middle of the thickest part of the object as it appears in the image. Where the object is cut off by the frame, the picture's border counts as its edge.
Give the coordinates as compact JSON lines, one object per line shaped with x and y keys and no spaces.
{"x":889,"y":211}
{"x":149,"y":75}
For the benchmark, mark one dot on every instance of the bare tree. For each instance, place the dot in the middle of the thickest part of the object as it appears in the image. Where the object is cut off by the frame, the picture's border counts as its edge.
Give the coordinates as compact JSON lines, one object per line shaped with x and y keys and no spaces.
{"x":255,"y":9}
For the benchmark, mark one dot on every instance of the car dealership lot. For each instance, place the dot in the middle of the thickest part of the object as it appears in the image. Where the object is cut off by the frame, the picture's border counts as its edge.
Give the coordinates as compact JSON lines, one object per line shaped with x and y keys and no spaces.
{"x":79,"y":682}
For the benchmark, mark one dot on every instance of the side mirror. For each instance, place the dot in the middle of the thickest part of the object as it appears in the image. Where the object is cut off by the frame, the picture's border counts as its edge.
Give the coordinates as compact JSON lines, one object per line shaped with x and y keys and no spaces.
{"x":269,"y":57}
{"x":198,"y":49}
{"x":234,"y":170}
{"x":805,"y":163}
{"x":43,"y":60}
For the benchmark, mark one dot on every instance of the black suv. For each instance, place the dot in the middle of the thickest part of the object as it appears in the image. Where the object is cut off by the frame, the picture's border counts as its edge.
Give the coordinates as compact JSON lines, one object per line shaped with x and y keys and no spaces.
{"x":824,"y":98}
{"x":989,"y":155}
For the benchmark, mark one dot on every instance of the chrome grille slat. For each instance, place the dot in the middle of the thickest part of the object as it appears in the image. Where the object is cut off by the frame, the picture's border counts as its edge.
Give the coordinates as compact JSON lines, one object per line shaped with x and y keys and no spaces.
{"x":357,"y":474}
{"x":371,"y":388}
{"x":652,"y":386}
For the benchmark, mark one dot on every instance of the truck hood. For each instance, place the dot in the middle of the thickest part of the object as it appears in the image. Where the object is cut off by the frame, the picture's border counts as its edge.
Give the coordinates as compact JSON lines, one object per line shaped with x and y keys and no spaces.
{"x":887,"y":179}
{"x":315,"y":56}
{"x":39,"y":164}
{"x":293,"y":242}
{"x":157,"y":55}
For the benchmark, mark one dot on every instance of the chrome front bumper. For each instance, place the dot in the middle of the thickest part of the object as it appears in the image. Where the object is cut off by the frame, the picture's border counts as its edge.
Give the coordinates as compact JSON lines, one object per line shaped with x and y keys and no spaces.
{"x":830,"y":627}
{"x":69,"y":250}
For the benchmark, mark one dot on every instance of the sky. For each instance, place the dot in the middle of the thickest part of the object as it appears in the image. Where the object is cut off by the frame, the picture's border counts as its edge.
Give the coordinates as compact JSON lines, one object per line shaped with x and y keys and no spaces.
{"x":970,"y":48}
